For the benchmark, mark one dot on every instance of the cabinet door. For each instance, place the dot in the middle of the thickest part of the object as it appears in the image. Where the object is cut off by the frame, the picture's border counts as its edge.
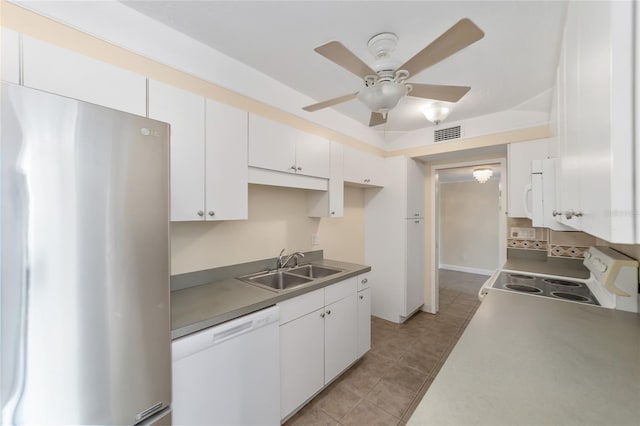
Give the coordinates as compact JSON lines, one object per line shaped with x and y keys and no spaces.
{"x":414,"y":293}
{"x":340,"y":336}
{"x":10,"y":56}
{"x":415,"y":189}
{"x":226,"y":162}
{"x":313,"y":157}
{"x":336,"y":181}
{"x":57,"y":70}
{"x":185,"y":112}
{"x":519,"y":174}
{"x":271,"y":145}
{"x":301,"y":360}
{"x":364,"y":321}
{"x":363,"y":168}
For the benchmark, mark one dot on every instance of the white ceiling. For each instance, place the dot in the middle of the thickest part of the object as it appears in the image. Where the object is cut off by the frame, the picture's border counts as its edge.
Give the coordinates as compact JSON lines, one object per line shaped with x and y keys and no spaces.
{"x":513,"y":63}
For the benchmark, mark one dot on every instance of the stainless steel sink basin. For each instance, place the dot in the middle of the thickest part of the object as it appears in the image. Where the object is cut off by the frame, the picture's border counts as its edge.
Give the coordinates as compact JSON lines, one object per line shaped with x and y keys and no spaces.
{"x":314,"y":271}
{"x":288,"y":278}
{"x":276,"y":280}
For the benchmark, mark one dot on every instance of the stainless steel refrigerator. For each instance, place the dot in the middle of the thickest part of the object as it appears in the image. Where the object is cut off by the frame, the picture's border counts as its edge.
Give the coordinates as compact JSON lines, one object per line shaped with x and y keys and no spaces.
{"x":84,"y":246}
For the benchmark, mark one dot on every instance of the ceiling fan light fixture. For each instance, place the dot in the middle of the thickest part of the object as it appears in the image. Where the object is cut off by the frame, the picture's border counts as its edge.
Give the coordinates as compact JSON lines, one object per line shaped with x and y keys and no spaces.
{"x":482,"y":175}
{"x":382,"y":96}
{"x":436,"y":113}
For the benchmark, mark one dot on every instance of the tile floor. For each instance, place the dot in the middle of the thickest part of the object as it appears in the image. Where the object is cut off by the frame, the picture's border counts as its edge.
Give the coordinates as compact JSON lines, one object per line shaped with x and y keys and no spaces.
{"x":386,"y":385}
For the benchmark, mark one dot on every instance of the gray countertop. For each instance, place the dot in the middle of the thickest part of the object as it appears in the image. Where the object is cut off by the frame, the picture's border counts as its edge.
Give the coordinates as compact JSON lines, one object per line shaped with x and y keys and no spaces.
{"x":527,"y":360}
{"x":199,"y":307}
{"x":540,"y":263}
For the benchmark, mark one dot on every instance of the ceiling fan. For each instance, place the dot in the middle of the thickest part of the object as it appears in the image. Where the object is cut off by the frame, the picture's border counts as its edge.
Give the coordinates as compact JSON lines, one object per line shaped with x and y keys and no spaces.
{"x":386,"y":82}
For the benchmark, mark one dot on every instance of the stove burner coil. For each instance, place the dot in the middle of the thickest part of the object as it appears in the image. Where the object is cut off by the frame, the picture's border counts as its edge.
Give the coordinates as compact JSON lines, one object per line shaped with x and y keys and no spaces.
{"x":570,"y":296}
{"x":562,"y":282}
{"x":523,"y":288}
{"x":521,"y":277}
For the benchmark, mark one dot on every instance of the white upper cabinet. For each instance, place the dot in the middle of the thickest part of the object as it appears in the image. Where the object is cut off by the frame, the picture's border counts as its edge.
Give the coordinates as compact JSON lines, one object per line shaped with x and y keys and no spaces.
{"x":362,"y":168}
{"x":10,"y":56}
{"x":330,"y":203}
{"x":226,"y":162}
{"x":519,"y":174}
{"x":596,"y":193}
{"x":57,"y":70}
{"x":415,"y":189}
{"x":274,"y":146}
{"x":208,"y":154}
{"x":185,"y":112}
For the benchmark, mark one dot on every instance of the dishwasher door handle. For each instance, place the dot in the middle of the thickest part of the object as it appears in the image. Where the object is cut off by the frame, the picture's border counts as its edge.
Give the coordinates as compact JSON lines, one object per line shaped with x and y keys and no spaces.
{"x":232,"y":332}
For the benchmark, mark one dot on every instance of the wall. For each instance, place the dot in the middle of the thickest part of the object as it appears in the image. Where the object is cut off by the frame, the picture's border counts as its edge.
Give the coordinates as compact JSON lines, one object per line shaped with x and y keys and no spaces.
{"x":469,"y":225}
{"x":277,"y":219}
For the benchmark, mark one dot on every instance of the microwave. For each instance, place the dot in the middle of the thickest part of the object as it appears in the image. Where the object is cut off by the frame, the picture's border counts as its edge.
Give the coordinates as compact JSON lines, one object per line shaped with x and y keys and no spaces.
{"x":540,"y":196}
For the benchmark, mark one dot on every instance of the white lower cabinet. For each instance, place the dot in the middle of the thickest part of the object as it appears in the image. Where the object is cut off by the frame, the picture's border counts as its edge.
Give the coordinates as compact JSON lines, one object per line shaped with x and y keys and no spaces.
{"x":340,"y":336}
{"x":301,"y":360}
{"x":319,"y":338}
{"x":364,"y":321}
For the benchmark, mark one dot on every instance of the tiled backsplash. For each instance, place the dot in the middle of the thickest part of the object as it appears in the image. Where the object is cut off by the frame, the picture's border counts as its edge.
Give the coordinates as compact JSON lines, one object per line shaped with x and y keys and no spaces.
{"x":556,"y":244}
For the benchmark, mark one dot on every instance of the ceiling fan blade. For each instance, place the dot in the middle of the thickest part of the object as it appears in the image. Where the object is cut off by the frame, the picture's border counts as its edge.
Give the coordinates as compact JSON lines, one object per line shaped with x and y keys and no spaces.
{"x":330,"y":102}
{"x":336,"y":52}
{"x":377,"y":118}
{"x":438,"y":92}
{"x":456,"y":38}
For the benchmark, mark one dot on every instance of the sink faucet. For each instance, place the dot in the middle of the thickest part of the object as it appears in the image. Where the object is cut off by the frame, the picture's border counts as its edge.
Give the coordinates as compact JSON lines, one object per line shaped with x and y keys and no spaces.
{"x":282,"y":261}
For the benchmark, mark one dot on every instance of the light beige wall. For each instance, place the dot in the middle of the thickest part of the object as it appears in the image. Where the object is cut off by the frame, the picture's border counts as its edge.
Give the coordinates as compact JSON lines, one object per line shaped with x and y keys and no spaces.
{"x":277,"y":219}
{"x":469,"y":224}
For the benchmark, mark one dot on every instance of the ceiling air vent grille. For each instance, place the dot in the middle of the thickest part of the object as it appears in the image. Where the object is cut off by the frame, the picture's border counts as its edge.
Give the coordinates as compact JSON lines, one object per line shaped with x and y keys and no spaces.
{"x":446,"y":134}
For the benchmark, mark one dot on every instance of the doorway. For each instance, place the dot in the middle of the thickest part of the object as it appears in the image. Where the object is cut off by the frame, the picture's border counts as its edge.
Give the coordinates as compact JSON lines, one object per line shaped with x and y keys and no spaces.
{"x":468,"y":224}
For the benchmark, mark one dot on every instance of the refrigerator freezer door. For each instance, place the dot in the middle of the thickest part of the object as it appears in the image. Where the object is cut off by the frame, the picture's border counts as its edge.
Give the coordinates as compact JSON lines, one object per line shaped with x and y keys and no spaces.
{"x":85,"y":315}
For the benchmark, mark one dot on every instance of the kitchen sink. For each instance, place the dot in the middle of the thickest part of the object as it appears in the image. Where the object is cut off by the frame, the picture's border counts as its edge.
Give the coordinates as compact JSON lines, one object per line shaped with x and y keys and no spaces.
{"x":288,"y":278}
{"x":276,"y":280}
{"x":314,"y":271}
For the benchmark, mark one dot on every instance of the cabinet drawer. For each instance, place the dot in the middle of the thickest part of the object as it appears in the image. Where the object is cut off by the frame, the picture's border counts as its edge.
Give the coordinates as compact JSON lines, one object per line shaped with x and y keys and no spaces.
{"x":364,"y":281}
{"x":301,"y":305}
{"x":340,"y":290}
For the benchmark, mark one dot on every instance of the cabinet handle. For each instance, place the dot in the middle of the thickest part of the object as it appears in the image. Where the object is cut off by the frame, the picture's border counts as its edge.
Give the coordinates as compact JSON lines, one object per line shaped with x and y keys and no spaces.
{"x":367,"y":180}
{"x":556,"y":213}
{"x":322,"y":315}
{"x":361,"y":297}
{"x":416,"y":221}
{"x":292,"y":168}
{"x":299,"y":168}
{"x":333,"y":212}
{"x":329,"y":312}
{"x":200,"y":213}
{"x":364,"y":281}
{"x":570,"y":214}
{"x":416,"y":214}
{"x":212,"y":213}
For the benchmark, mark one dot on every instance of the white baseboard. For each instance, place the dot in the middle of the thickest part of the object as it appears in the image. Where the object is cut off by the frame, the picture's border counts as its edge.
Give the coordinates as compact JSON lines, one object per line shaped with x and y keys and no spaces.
{"x":427,"y":308}
{"x":479,"y":271}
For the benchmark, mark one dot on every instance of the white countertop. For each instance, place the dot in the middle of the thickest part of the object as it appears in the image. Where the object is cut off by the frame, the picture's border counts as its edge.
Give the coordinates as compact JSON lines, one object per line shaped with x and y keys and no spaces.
{"x":526,"y":360}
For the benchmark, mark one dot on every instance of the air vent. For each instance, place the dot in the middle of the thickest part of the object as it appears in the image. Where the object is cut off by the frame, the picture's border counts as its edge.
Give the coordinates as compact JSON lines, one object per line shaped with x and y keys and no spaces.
{"x":446,"y":134}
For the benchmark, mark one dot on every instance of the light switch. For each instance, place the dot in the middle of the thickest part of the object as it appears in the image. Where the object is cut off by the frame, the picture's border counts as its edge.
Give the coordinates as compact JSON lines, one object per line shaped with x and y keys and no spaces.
{"x":315,"y":239}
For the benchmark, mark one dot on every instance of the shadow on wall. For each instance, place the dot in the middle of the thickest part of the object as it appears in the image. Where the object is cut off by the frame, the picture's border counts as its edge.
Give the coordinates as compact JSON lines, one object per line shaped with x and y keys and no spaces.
{"x":278,"y":218}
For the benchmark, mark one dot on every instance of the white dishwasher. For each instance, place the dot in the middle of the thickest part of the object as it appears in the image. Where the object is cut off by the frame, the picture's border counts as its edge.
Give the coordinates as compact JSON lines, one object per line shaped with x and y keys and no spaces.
{"x":229,"y":374}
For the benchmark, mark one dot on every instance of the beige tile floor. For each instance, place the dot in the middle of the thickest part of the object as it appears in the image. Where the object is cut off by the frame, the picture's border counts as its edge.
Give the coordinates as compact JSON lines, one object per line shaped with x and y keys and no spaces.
{"x":386,"y":385}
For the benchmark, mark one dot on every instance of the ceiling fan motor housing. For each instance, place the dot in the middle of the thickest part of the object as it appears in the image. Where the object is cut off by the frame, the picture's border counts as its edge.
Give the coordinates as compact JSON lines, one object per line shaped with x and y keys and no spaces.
{"x":381,"y":47}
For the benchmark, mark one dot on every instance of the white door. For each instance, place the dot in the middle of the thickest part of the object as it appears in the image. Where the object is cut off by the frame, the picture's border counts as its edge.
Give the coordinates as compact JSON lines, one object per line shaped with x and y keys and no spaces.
{"x":340,"y":336}
{"x":185,"y":112}
{"x":336,"y":181}
{"x":313,"y":156}
{"x":364,"y":321}
{"x":226,"y":162}
{"x":414,"y":293}
{"x":271,"y":145}
{"x":301,"y":360}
